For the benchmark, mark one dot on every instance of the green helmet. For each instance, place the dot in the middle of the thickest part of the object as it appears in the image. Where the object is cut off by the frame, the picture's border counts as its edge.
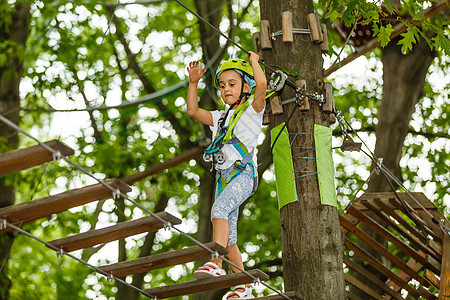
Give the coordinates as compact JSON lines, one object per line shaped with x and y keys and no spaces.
{"x":241,"y":66}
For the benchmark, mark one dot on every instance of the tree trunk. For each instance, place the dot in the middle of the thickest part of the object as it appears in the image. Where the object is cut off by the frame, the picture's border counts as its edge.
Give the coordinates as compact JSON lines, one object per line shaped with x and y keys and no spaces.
{"x":310,"y":231}
{"x":403,"y":83}
{"x":10,"y":76}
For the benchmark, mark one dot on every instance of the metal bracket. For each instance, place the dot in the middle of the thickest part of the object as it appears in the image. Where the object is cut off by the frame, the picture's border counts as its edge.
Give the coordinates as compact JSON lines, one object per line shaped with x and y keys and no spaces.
{"x":294,"y":30}
{"x":215,"y":255}
{"x":116,"y":194}
{"x":349,"y":145}
{"x":57,"y":155}
{"x":379,"y":162}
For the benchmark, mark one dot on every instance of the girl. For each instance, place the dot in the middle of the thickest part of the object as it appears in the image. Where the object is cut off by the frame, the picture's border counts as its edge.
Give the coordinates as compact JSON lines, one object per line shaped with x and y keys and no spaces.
{"x":235,"y":136}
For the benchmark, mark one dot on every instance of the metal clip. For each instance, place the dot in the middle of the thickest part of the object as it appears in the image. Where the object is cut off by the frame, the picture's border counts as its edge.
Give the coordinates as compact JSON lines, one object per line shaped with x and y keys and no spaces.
{"x":215,"y":255}
{"x":220,"y":157}
{"x":57,"y":155}
{"x":277,"y":80}
{"x":379,"y":163}
{"x":349,"y":145}
{"x":60,"y":253}
{"x":3,"y":224}
{"x":167,"y":225}
{"x":257,"y":281}
{"x":207,"y":157}
{"x":116,"y":194}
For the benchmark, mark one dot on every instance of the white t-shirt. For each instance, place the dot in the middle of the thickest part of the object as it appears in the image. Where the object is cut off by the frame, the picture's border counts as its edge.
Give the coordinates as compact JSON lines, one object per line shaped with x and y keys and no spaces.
{"x":247,"y":130}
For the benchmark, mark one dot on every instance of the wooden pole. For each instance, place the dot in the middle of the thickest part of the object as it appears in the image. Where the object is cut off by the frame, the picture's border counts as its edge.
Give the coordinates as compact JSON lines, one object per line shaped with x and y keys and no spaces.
{"x":444,"y":289}
{"x":311,"y":238}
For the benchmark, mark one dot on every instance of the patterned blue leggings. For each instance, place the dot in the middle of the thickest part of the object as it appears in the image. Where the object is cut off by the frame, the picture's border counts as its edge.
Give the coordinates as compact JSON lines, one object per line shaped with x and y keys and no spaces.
{"x":226,"y":205}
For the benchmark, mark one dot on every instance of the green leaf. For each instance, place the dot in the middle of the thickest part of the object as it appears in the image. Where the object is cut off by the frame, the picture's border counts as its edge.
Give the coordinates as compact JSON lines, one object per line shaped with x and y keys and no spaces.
{"x":442,"y":43}
{"x":409,"y":38}
{"x":384,"y":34}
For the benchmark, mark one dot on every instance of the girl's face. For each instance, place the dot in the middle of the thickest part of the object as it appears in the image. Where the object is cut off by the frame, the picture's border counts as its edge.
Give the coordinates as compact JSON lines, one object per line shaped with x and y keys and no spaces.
{"x":230,"y":83}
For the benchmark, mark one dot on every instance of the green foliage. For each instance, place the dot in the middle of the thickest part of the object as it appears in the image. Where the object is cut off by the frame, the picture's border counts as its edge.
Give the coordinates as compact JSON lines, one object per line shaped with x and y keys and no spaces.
{"x":73,"y":58}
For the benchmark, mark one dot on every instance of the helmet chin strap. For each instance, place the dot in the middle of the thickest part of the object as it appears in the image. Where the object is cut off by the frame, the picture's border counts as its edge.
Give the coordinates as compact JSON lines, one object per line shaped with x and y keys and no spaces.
{"x":242,"y":93}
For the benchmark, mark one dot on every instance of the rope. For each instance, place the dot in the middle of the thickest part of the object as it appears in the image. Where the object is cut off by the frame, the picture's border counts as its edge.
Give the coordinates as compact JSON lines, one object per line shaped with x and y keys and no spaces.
{"x":117,"y":193}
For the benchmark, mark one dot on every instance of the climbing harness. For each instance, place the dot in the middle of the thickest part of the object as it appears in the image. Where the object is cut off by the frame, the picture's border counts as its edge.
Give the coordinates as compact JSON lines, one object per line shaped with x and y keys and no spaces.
{"x":225,"y":135}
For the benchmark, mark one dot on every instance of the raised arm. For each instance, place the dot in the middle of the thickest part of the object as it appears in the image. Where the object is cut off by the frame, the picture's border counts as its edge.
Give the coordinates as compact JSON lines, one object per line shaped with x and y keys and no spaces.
{"x":261,"y":82}
{"x":193,"y":110}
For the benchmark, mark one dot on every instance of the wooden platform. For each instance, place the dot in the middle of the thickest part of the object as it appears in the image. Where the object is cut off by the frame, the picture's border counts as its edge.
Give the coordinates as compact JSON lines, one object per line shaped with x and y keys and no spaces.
{"x":158,"y":261}
{"x":415,"y":245}
{"x":25,"y":158}
{"x":113,"y":233}
{"x":197,"y":286}
{"x":292,"y":295}
{"x":29,"y":211}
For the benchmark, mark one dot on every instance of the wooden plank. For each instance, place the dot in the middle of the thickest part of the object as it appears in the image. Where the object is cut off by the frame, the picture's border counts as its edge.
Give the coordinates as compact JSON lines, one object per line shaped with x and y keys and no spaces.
{"x":433,"y":264}
{"x":416,"y":243}
{"x":351,"y":219}
{"x":413,"y":264}
{"x":27,"y":212}
{"x":162,"y":260}
{"x":425,"y":223}
{"x":351,"y":296}
{"x":383,"y":251}
{"x":391,"y":212}
{"x":436,"y":247}
{"x":386,"y":196}
{"x":292,"y":295}
{"x":379,"y":266}
{"x":444,"y":287}
{"x":431,"y":277}
{"x":25,"y":158}
{"x":361,"y":286}
{"x":386,"y":234}
{"x":112,"y":233}
{"x":375,"y":280}
{"x":197,"y":286}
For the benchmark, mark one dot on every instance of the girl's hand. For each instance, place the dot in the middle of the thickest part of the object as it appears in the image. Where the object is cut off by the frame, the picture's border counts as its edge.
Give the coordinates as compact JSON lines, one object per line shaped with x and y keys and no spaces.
{"x":252,"y":57}
{"x":194,"y":72}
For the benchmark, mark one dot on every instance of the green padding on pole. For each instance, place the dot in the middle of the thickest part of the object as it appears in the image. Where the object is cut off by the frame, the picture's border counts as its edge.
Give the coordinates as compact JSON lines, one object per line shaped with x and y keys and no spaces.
{"x":325,"y":165}
{"x":284,"y":169}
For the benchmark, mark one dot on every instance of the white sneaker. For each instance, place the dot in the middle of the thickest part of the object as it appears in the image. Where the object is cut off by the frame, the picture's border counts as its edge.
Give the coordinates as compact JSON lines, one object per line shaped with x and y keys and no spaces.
{"x":209,"y":270}
{"x":246,"y":294}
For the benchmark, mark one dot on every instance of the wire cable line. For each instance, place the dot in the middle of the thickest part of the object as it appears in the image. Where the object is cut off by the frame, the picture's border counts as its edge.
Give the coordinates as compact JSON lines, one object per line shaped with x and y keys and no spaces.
{"x":117,"y":193}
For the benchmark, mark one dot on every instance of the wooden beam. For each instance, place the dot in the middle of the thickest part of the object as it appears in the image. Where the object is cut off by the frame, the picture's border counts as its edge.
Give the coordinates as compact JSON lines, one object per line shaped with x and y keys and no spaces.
{"x":413,"y":264}
{"x":351,"y":296}
{"x":379,"y":266}
{"x":386,"y":196}
{"x":292,"y":295}
{"x":391,"y":212}
{"x":197,"y":286}
{"x":387,"y":234}
{"x":113,"y":233}
{"x":372,"y":278}
{"x":425,"y":222}
{"x":383,"y":251}
{"x":385,"y":218}
{"x":431,"y":277}
{"x":162,"y":260}
{"x":27,"y":212}
{"x":25,"y":158}
{"x":361,"y":286}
